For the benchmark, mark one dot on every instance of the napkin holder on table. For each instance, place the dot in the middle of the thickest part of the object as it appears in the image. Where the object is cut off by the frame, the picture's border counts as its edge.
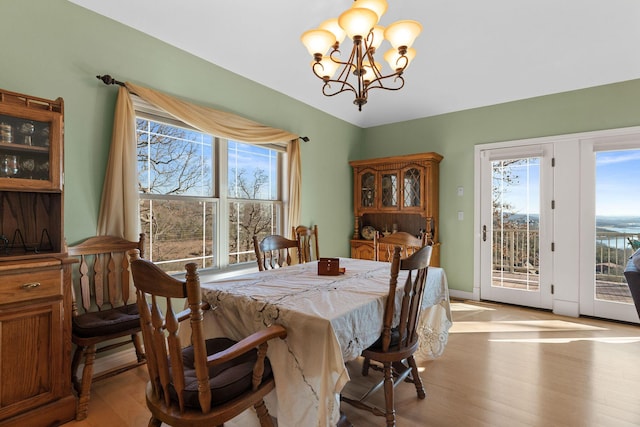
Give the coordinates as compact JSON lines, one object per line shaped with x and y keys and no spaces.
{"x":329,"y":267}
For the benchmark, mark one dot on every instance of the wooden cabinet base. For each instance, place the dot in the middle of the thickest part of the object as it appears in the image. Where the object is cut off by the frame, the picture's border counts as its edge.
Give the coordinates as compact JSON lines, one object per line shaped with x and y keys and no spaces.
{"x":50,"y":415}
{"x":363,"y":249}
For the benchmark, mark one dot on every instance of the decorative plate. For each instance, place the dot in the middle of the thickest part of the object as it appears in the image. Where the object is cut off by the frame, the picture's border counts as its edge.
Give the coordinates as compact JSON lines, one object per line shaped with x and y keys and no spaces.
{"x":368,"y":232}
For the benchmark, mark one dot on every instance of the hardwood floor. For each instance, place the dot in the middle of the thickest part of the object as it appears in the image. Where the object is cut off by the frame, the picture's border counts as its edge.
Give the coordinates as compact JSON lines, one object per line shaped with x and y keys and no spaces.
{"x":503,"y":366}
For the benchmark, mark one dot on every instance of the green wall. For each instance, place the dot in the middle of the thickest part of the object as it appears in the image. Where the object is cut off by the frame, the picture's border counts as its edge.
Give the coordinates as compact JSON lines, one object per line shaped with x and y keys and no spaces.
{"x":455,"y":135}
{"x":55,"y":49}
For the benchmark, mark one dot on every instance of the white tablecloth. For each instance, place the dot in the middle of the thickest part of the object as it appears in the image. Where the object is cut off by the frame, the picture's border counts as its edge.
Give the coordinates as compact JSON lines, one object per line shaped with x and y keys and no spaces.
{"x":329,"y":319}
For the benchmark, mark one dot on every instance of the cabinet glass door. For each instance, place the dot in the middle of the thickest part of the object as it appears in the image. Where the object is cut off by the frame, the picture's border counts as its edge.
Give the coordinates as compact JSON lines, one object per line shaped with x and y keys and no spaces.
{"x":24,"y":148}
{"x":389,"y":190}
{"x":411,"y":186}
{"x":368,"y":189}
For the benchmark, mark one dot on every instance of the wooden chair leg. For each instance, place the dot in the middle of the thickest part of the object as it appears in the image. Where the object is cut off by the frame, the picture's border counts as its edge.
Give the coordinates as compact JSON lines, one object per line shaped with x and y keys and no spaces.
{"x":137,"y":344}
{"x":417,"y":381}
{"x":390,"y":413}
{"x":263,"y":414}
{"x":365,"y":366}
{"x":85,"y":387}
{"x":75,"y":362}
{"x":154,"y":422}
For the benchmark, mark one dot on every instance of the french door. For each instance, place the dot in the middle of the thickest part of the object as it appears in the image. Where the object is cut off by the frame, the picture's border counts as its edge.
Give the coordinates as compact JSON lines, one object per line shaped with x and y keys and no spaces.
{"x":557,"y":218}
{"x":610,"y":214}
{"x":516,"y":220}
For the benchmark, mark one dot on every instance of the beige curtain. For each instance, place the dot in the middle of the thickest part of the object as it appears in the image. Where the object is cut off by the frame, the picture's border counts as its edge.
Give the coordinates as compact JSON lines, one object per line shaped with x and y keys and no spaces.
{"x":119,"y":206}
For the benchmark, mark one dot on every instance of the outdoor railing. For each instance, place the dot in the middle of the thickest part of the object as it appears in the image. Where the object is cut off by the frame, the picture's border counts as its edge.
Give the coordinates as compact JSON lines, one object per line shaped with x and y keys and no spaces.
{"x":516,"y":257}
{"x":516,"y":251}
{"x":612,"y":253}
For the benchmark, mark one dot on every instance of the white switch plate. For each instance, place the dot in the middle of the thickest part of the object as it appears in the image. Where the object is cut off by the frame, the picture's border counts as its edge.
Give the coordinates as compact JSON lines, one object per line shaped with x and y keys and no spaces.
{"x":460,"y":191}
{"x":460,"y":216}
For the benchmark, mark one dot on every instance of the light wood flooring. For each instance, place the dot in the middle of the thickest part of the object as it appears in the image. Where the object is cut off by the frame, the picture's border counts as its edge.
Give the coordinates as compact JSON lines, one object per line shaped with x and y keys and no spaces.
{"x":503,"y":366}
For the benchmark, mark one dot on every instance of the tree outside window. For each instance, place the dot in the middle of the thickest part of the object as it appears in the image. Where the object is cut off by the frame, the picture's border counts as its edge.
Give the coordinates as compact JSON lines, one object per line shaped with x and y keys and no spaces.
{"x":180,"y":199}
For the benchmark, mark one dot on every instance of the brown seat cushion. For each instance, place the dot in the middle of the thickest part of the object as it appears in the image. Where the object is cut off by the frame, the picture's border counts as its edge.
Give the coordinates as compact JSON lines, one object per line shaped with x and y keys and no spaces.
{"x":395,"y":340}
{"x":106,"y":322}
{"x":226,"y":381}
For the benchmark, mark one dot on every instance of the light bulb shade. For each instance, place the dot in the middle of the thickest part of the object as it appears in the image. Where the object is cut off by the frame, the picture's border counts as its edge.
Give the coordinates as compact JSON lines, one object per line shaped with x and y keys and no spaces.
{"x":402,"y":33}
{"x":326,"y":68}
{"x":392,"y":56}
{"x":332,"y":25}
{"x":378,"y":36}
{"x":358,"y":21}
{"x":378,"y":6}
{"x":318,"y":41}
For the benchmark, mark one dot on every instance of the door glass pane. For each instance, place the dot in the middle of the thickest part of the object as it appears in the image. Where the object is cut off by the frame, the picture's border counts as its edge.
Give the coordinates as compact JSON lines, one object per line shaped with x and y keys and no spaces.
{"x":516,"y":217}
{"x":617,"y":222}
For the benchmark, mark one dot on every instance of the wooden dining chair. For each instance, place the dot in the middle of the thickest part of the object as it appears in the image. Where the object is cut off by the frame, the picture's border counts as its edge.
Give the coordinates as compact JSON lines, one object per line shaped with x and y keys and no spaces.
{"x":307,"y":238}
{"x":275,"y":251}
{"x":395,"y":348}
{"x":104,"y":309}
{"x":209,"y":381}
{"x":383,"y":246}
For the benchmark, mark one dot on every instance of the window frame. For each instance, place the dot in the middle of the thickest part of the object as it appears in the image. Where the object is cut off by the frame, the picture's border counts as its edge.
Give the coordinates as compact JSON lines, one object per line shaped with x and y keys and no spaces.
{"x":220,"y":186}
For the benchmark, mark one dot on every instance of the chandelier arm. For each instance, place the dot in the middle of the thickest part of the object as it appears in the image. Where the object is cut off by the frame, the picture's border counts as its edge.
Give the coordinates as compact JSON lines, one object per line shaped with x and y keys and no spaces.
{"x":369,"y":55}
{"x":348,"y":88}
{"x":345,"y":86}
{"x":377,"y":83}
{"x":342,"y":79}
{"x":346,"y":67}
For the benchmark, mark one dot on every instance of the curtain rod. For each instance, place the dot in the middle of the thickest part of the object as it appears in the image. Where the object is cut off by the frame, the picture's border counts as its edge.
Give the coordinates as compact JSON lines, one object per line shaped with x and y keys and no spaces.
{"x":108,"y":80}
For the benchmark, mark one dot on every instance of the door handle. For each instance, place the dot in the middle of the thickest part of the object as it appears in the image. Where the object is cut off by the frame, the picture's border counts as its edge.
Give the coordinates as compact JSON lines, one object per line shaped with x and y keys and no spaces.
{"x":484,"y":233}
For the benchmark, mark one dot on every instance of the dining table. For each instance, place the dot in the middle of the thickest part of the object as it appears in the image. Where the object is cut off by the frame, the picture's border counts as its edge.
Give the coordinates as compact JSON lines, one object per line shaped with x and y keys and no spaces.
{"x":329,"y":321}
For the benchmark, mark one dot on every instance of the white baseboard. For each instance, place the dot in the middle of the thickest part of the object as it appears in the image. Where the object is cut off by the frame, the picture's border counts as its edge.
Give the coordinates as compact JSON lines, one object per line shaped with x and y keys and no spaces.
{"x":566,"y":308}
{"x":464,"y":295}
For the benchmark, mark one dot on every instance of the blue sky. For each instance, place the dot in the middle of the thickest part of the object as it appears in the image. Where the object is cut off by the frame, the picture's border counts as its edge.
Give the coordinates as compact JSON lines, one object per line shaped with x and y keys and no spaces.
{"x":617,"y":185}
{"x":524,"y":193}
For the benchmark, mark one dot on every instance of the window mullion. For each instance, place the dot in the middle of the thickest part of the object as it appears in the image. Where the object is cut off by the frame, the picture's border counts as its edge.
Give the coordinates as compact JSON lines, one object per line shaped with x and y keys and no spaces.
{"x":221,"y":186}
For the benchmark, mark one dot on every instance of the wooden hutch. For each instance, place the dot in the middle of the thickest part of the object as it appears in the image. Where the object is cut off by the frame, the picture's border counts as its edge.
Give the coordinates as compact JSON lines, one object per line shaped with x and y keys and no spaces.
{"x":397,"y":193}
{"x":35,"y":273}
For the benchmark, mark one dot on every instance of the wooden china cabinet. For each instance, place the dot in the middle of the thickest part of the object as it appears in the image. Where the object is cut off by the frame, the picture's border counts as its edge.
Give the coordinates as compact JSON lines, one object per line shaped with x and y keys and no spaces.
{"x":35,"y":272}
{"x":397,"y":193}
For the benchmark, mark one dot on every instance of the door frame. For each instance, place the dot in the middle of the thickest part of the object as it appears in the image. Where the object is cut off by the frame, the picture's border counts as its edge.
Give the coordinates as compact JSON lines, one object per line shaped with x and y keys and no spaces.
{"x":567,"y":262}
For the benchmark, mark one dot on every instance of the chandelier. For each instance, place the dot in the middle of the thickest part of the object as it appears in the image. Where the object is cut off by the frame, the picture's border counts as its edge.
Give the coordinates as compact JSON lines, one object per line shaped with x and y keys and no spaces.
{"x":361,"y":72}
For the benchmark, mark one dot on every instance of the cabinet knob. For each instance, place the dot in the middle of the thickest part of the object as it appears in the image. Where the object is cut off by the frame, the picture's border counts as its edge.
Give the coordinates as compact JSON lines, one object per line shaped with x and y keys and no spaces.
{"x":31,"y":285}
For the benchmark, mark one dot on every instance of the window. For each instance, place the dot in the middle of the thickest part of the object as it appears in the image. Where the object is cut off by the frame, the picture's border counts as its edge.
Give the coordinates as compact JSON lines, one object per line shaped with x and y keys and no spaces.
{"x":202,"y":198}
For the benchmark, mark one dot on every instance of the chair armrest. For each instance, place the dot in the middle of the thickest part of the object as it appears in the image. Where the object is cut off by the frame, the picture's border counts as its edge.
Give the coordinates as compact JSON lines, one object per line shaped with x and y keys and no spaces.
{"x":184,"y":314}
{"x":247,"y":344}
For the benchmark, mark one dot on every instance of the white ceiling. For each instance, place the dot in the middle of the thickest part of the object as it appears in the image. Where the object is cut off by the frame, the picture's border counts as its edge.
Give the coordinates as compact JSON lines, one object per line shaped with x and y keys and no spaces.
{"x":471,"y":53}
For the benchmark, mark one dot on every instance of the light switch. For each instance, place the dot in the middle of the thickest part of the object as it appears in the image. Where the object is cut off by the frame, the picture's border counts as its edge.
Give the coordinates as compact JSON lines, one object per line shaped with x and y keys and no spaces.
{"x":460,"y":215}
{"x":460,"y":191}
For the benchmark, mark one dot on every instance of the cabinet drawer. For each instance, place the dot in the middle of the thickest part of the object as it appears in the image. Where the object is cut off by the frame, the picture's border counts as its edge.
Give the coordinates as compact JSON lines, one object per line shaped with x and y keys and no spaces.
{"x":27,"y":286}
